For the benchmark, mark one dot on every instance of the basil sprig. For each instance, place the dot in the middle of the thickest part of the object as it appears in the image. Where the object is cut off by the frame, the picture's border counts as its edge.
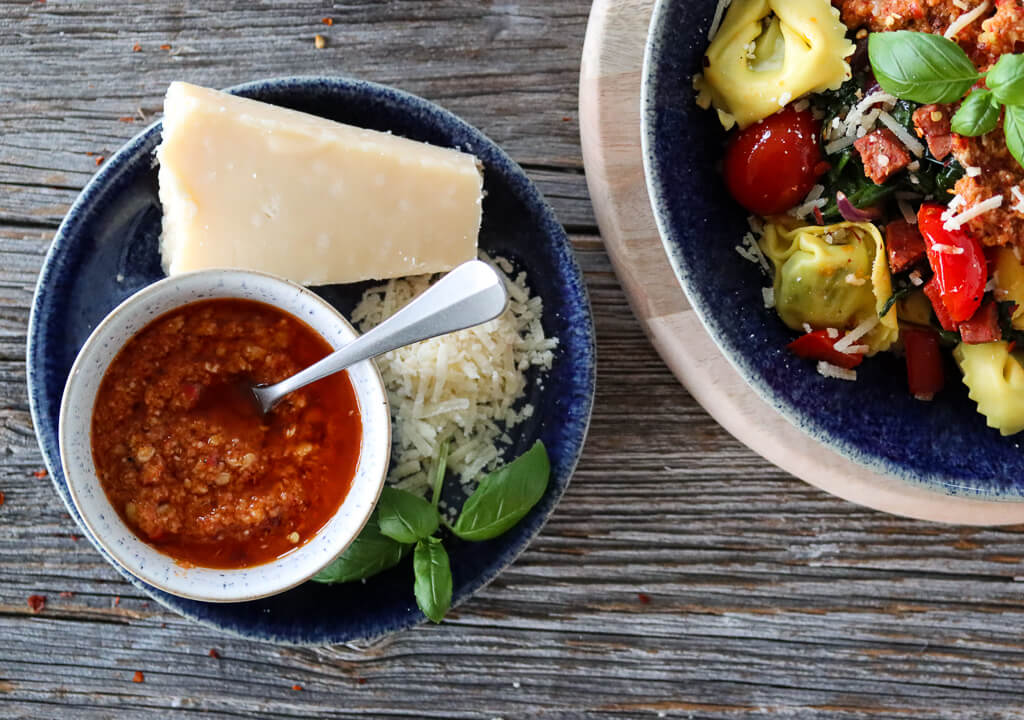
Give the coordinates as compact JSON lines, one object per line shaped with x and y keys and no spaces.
{"x":433,"y":578}
{"x":405,"y":517}
{"x":978,"y":115}
{"x":921,"y":67}
{"x":371,"y":553}
{"x":403,"y":522}
{"x":927,"y":68}
{"x":505,"y":496}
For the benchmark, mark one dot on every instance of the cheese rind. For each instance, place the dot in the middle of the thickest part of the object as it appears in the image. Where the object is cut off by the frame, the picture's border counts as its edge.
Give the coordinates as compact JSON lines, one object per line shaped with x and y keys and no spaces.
{"x":249,"y":185}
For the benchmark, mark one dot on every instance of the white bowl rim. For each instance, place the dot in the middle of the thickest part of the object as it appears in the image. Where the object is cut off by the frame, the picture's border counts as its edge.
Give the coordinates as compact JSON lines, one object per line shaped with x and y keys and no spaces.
{"x":366,"y":405}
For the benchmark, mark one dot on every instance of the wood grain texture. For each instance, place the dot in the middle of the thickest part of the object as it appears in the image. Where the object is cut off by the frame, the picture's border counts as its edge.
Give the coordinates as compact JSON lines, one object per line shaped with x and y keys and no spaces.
{"x":682,"y":576}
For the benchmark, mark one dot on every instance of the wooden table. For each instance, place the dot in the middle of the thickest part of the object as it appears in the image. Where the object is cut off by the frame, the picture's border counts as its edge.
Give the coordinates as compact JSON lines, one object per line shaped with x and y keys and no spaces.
{"x":682,"y":575}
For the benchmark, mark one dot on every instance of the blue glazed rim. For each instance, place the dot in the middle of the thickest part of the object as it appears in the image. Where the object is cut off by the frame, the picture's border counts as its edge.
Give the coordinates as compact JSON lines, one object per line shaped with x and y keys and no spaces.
{"x":576,"y":336}
{"x":676,"y":41}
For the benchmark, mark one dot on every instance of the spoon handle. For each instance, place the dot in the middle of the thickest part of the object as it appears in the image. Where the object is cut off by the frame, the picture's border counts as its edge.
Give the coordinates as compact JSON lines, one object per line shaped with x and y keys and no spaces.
{"x":469,"y":295}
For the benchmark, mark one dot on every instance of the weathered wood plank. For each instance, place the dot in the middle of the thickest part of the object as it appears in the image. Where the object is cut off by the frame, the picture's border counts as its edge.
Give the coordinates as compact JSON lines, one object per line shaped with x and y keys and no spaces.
{"x":682,"y":576}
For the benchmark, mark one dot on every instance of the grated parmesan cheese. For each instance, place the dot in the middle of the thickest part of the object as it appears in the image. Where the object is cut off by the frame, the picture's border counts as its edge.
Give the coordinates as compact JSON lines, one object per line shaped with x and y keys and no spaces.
{"x":847,"y":341}
{"x":966,"y":19}
{"x":912,"y":143}
{"x":716,"y":22}
{"x":955,"y":222}
{"x":464,"y":387}
{"x":834,"y":371}
{"x":1019,"y":197}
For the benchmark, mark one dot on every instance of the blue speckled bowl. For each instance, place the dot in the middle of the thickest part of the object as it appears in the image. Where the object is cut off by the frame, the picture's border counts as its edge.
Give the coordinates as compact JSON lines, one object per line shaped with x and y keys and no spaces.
{"x":106,"y":249}
{"x":944,"y":445}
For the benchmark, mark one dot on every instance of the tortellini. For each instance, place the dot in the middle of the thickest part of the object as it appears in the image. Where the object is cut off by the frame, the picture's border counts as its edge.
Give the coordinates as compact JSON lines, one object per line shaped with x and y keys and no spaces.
{"x":768,"y":52}
{"x":834,"y":276}
{"x":995,"y":380}
{"x":1009,"y":277}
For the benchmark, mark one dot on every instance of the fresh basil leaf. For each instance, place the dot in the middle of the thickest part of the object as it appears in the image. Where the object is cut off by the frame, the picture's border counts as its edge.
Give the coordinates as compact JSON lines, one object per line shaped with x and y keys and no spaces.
{"x":405,"y":517}
{"x":370,"y":553}
{"x":1006,"y":80}
{"x":505,"y":496}
{"x":1013,"y":126}
{"x":922,"y":67}
{"x":978,"y":115}
{"x":433,"y":578}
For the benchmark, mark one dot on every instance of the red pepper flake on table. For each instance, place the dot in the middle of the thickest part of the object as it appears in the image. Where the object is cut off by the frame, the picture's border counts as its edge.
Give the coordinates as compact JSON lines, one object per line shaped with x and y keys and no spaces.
{"x":41,"y":473}
{"x":214,"y":653}
{"x":136,"y":48}
{"x":138,"y":677}
{"x":99,"y":160}
{"x":2,"y":498}
{"x":297,"y":687}
{"x":36,"y":603}
{"x":327,"y":21}
{"x":165,"y":47}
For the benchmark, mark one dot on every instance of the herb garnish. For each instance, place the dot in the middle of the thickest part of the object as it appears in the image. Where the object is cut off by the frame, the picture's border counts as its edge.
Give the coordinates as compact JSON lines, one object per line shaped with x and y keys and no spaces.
{"x":403,"y":521}
{"x":929,"y":68}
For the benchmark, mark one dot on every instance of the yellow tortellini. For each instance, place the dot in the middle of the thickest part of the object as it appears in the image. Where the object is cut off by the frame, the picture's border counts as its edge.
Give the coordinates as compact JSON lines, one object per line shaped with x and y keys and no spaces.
{"x":1009,"y":276}
{"x":995,"y":380}
{"x":833,"y":276}
{"x":768,"y":52}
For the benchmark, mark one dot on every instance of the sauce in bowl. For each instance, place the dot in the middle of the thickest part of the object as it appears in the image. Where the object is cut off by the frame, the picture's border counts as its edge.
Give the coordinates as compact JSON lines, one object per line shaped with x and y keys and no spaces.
{"x":201,"y":476}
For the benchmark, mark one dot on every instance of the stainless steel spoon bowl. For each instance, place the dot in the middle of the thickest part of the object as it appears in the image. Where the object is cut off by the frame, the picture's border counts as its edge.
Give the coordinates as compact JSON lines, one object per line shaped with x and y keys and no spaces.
{"x":469,"y":295}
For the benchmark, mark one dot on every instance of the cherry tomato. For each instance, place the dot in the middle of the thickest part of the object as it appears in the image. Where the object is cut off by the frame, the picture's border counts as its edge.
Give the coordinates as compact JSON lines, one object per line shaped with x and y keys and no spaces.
{"x":925,"y":375}
{"x":958,"y":261}
{"x":772,"y":165}
{"x":817,"y":345}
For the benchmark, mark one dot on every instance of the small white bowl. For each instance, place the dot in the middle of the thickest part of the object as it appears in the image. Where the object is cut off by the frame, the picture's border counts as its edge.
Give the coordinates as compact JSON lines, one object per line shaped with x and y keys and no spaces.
{"x":106,"y":526}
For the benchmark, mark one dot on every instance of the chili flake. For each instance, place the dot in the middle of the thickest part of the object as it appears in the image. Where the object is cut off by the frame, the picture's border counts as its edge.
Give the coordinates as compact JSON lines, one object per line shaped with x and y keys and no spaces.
{"x":320,"y":42}
{"x":127,"y":119}
{"x":297,"y":687}
{"x":214,"y":654}
{"x":40,"y":473}
{"x":328,"y":21}
{"x":165,"y":47}
{"x":136,"y":48}
{"x":36,"y":603}
{"x":99,"y":160}
{"x":2,"y":498}
{"x":644,"y":598}
{"x":138,"y":677}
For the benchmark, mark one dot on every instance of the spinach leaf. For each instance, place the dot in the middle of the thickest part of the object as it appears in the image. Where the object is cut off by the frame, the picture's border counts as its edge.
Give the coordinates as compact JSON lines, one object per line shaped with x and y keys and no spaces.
{"x":978,"y":115}
{"x":1013,"y":126}
{"x":921,"y":67}
{"x":433,"y":578}
{"x":1006,"y":79}
{"x":369,"y":554}
{"x":903,"y":113}
{"x":505,"y":496}
{"x":896,"y":296}
{"x":406,"y":517}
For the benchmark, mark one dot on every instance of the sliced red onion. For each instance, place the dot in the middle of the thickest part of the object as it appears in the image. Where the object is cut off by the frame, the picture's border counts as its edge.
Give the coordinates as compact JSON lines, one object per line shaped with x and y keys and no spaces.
{"x":851,"y":213}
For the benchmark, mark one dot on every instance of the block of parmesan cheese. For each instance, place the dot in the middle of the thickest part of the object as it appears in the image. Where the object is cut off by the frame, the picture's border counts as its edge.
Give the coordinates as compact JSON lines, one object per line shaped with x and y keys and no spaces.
{"x":253,"y":186}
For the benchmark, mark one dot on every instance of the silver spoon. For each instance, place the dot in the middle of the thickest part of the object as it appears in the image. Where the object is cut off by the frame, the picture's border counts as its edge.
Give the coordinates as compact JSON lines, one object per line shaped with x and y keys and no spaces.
{"x":469,"y":295}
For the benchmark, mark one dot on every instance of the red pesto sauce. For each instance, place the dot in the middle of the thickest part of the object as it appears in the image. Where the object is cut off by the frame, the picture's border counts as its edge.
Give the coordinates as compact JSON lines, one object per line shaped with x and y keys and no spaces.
{"x":191,"y":468}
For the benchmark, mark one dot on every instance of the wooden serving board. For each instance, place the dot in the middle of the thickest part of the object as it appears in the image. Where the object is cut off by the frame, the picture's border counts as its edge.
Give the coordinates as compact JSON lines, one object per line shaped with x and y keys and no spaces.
{"x":610,"y":126}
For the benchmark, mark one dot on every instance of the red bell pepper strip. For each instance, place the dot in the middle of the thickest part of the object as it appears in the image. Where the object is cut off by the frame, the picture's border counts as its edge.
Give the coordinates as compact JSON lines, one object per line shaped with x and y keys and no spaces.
{"x":958,"y":261}
{"x":925,"y":375}
{"x":934,"y":294}
{"x":817,"y":345}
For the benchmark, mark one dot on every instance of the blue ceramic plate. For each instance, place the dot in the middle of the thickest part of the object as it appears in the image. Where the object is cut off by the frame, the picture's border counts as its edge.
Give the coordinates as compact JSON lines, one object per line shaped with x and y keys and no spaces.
{"x":944,"y":444}
{"x":106,"y":249}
